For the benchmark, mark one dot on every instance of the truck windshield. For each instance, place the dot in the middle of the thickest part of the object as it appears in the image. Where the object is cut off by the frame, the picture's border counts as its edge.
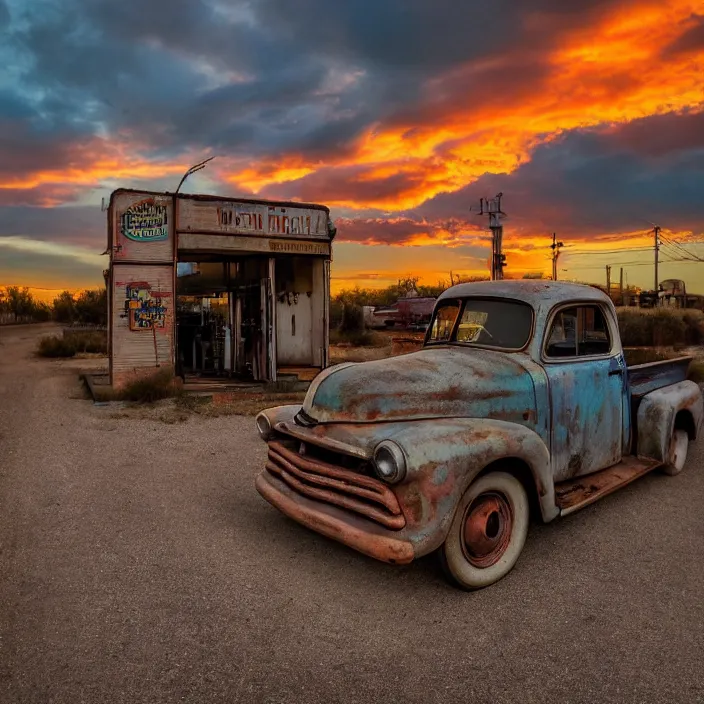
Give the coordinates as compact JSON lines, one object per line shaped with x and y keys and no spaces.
{"x":485,"y":322}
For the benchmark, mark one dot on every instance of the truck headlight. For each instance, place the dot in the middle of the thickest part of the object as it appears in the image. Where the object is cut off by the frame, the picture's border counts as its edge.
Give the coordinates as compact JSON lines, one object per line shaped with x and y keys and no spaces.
{"x":263,"y":426}
{"x":389,"y":462}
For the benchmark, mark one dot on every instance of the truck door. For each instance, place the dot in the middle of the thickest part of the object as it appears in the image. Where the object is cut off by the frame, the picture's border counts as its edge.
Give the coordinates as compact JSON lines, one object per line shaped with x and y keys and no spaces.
{"x":584,"y":364}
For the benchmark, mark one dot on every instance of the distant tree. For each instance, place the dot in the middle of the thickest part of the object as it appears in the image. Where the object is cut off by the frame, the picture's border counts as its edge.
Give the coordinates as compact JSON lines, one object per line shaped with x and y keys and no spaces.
{"x":64,"y":308}
{"x":408,"y":284}
{"x":42,"y":312}
{"x":470,"y":279}
{"x":91,"y":307}
{"x":18,"y":305}
{"x":21,"y":303}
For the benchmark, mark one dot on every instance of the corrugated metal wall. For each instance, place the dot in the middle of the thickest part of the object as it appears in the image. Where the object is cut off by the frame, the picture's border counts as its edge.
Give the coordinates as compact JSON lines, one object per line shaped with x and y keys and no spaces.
{"x":144,"y":292}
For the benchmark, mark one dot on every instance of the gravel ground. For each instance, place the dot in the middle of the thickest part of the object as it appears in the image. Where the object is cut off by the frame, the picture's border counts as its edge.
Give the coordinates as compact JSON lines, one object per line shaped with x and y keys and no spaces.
{"x":138,"y":564}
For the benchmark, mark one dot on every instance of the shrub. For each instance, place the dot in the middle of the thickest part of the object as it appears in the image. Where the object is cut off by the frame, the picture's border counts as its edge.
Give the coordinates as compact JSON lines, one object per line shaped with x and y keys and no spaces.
{"x":90,"y":342}
{"x":636,"y":328}
{"x":358,"y":338}
{"x":91,"y":307}
{"x":668,"y":328}
{"x":53,"y":346}
{"x":662,"y":327}
{"x":694,"y":323}
{"x":147,"y":389}
{"x":696,"y":372}
{"x":352,"y":319}
{"x":646,"y":355}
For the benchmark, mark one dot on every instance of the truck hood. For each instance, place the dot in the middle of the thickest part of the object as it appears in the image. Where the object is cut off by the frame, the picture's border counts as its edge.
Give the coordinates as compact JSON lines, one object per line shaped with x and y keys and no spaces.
{"x":445,"y":382}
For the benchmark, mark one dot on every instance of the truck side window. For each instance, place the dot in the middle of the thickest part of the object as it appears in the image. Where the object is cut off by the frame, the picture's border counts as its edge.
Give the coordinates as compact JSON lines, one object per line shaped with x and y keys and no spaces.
{"x":581,"y":331}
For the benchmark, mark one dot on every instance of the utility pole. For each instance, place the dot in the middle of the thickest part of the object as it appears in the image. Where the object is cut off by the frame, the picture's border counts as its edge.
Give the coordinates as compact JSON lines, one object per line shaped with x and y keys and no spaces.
{"x":492,"y":208}
{"x":656,"y":231}
{"x":620,"y":287}
{"x":555,"y":246}
{"x":608,"y":281}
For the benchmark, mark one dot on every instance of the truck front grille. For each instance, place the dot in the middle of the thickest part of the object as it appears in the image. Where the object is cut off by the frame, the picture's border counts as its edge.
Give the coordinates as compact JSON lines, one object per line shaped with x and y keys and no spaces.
{"x":334,"y":485}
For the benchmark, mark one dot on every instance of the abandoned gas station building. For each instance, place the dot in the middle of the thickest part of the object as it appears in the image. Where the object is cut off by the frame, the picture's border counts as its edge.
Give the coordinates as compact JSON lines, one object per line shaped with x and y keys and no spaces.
{"x":217,"y":287}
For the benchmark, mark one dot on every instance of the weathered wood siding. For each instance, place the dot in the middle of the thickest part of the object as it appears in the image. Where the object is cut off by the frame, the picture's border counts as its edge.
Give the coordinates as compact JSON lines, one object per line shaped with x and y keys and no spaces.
{"x":141,"y":295}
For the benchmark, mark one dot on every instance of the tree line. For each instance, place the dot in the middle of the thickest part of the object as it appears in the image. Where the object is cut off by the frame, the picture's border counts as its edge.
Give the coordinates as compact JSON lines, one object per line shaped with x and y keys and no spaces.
{"x":344,"y":302}
{"x":18,"y":305}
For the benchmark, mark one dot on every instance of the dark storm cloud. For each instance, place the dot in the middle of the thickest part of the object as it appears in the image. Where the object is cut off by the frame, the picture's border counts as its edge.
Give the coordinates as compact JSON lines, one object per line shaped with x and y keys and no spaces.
{"x":83,"y":226}
{"x":134,"y":65}
{"x":416,"y":34}
{"x":4,"y":15}
{"x":404,"y":230}
{"x":691,"y":40}
{"x":345,"y":183}
{"x":660,"y":135}
{"x":21,"y":267}
{"x":30,"y":147}
{"x":599,"y":181}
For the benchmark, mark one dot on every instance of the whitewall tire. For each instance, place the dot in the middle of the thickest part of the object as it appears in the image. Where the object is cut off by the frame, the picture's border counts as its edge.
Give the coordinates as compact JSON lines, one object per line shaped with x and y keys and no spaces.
{"x":488,"y":531}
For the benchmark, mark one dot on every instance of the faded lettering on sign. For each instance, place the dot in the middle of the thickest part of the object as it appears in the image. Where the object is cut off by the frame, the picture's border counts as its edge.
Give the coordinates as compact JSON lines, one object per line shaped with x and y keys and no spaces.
{"x":146,"y":221}
{"x":145,"y":308}
{"x":302,"y":247}
{"x":284,"y":221}
{"x":241,"y":219}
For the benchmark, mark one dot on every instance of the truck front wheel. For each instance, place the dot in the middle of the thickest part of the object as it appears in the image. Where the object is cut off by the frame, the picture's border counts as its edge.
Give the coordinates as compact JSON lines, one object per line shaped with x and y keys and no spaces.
{"x":679,"y":444}
{"x":488,"y":532}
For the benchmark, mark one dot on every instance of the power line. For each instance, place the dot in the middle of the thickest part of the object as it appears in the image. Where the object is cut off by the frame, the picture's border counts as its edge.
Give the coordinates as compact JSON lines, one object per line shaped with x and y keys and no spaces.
{"x":680,"y":248}
{"x":610,"y":251}
{"x":668,"y":261}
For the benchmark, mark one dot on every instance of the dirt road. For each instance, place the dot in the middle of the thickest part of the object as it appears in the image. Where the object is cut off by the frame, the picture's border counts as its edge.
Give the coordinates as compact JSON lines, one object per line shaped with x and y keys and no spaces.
{"x":138,"y":564}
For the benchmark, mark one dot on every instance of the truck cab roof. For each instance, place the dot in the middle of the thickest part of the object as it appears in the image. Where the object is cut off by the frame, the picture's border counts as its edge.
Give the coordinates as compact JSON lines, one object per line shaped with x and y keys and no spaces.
{"x":538,"y":293}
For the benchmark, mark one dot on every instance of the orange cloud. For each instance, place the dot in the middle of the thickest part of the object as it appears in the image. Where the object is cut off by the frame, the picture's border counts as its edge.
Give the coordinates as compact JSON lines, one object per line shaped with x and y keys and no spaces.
{"x":472,"y":122}
{"x":79,"y":164}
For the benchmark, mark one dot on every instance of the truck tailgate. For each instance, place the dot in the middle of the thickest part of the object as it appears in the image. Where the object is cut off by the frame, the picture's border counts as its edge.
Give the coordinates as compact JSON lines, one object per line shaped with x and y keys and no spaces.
{"x":644,"y":378}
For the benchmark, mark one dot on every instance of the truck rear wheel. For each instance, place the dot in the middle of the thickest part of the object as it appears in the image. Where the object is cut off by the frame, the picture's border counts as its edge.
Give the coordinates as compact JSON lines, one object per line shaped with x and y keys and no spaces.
{"x":678,"y":452}
{"x":488,"y":531}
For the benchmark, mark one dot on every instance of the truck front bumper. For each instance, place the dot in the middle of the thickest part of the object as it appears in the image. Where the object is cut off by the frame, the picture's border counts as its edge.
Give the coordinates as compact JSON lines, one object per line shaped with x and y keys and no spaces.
{"x":357,"y":532}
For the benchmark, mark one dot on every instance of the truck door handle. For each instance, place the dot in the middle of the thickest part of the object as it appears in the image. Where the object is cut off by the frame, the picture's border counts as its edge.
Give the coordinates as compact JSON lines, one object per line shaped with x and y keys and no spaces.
{"x":616,"y":372}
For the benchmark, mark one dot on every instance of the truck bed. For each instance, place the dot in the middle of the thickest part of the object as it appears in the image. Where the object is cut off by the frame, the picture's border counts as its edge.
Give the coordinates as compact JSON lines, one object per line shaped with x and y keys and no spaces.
{"x":644,"y":378}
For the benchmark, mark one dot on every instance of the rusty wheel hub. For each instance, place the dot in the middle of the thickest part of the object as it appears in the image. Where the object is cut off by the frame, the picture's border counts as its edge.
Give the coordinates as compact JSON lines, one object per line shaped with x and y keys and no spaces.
{"x":487,"y":529}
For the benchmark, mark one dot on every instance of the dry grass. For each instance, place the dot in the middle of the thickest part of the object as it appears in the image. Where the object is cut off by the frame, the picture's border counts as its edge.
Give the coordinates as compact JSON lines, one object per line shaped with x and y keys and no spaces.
{"x":359,"y":338}
{"x":660,"y":327}
{"x":183,"y":407}
{"x":236,"y":403}
{"x":696,"y":371}
{"x":72,"y":344}
{"x":340,"y":354}
{"x":55,"y":347}
{"x":151,"y":388}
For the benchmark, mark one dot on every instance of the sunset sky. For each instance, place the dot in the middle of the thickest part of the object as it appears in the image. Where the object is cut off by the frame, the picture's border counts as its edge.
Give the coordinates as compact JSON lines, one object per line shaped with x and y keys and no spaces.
{"x":398,"y":114}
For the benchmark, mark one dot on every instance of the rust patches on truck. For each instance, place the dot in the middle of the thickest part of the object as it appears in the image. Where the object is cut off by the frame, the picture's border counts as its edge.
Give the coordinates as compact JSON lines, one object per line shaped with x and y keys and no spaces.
{"x":452,"y":412}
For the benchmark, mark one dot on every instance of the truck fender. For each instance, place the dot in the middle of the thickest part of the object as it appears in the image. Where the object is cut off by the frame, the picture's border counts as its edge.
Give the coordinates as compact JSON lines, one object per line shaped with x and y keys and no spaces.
{"x":445,"y":457}
{"x":657,"y":413}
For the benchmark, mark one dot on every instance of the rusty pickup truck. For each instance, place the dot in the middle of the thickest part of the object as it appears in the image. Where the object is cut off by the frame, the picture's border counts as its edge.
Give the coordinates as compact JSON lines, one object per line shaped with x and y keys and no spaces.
{"x":520,"y":402}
